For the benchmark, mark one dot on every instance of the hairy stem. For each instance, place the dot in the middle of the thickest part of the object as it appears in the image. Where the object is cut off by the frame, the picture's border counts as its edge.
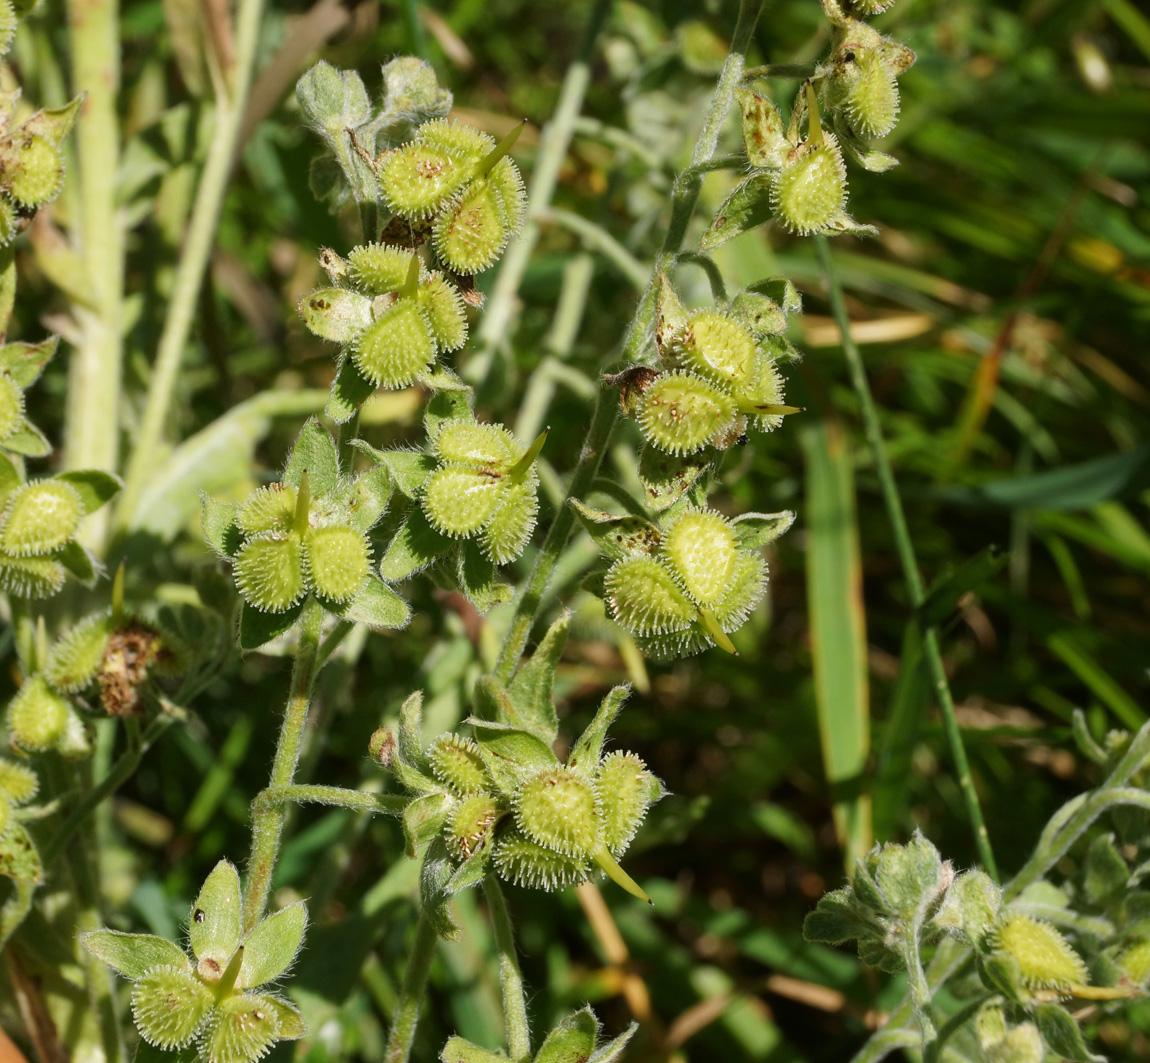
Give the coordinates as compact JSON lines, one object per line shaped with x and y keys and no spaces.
{"x":337,"y":796}
{"x":684,"y":196}
{"x":230,"y":102}
{"x":906,"y":555}
{"x":268,"y":815}
{"x":510,"y":977}
{"x":411,"y":992}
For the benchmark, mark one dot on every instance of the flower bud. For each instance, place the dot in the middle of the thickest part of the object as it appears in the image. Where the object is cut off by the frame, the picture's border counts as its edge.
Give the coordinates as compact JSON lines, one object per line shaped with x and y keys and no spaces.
{"x":810,"y":191}
{"x":268,"y":509}
{"x":1045,"y":958}
{"x":38,"y":716}
{"x":76,"y":657}
{"x":681,"y":413}
{"x":456,"y":763}
{"x":169,"y":1004}
{"x":11,"y":404}
{"x":269,"y":572}
{"x":556,"y":808}
{"x":396,"y":348}
{"x":382,"y":746}
{"x":39,"y":173}
{"x":337,"y":561}
{"x":468,"y":823}
{"x":18,"y":783}
{"x":625,"y":790}
{"x":526,"y":863}
{"x":40,"y":517}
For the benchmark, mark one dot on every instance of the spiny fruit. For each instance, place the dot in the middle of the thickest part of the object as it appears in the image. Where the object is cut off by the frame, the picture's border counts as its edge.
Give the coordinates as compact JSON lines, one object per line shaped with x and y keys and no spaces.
{"x":810,"y":190}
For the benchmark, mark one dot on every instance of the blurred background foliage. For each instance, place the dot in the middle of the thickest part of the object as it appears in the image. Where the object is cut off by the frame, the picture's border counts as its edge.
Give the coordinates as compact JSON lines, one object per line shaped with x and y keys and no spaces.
{"x":1004,"y":315}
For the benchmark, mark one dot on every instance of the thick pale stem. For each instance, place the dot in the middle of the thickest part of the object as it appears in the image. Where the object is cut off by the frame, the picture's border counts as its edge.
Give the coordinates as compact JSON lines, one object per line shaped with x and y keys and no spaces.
{"x":411,"y":994}
{"x":510,"y":977}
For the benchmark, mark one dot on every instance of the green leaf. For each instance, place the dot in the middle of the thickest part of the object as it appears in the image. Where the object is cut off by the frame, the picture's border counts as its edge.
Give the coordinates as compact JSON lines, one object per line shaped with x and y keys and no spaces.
{"x":377,"y":606}
{"x":588,"y":750}
{"x":754,"y":530}
{"x":457,"y":1050}
{"x":763,"y":134}
{"x":571,"y":1041}
{"x":217,"y":915}
{"x":532,"y":691}
{"x":133,"y":954}
{"x":218,"y":521}
{"x":434,"y":874}
{"x":835,"y":919}
{"x":477,"y":577}
{"x":1062,"y":1034}
{"x":257,"y":627}
{"x":349,"y":391}
{"x":453,"y":405}
{"x":747,"y":207}
{"x":942,"y":598}
{"x":415,"y":546}
{"x":612,"y":1051}
{"x":25,"y":361}
{"x":29,"y":441}
{"x":19,"y":859}
{"x":272,"y":944}
{"x":410,"y":731}
{"x":423,"y":820}
{"x":409,"y":469}
{"x":94,"y":486}
{"x":80,"y":562}
{"x":314,"y":453}
{"x":508,"y":752}
{"x":617,"y":537}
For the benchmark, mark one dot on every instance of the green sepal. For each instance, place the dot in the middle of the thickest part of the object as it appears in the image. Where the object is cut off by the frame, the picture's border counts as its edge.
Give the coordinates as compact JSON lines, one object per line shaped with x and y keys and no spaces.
{"x":411,"y":732}
{"x":860,"y":151}
{"x":288,"y":1018}
{"x":747,"y":207}
{"x":19,"y":858}
{"x":9,"y":478}
{"x":440,"y":378}
{"x":781,"y":291}
{"x":29,"y":441}
{"x":218,"y":523}
{"x":1063,"y":1035}
{"x":415,"y":546}
{"x":666,"y":478}
{"x":149,"y":1053}
{"x":617,"y":537}
{"x":754,"y":530}
{"x":132,"y":955}
{"x":613,"y":1050}
{"x":572,"y":1040}
{"x":434,"y":874}
{"x":532,"y":691}
{"x":471,"y":871}
{"x":54,"y":123}
{"x":258,"y":627}
{"x":94,"y":486}
{"x":80,"y":562}
{"x":587,"y":751}
{"x":510,"y":752}
{"x":314,"y":453}
{"x":1000,"y":972}
{"x":272,"y":944}
{"x":217,"y":915}
{"x":477,"y":578}
{"x":349,"y":391}
{"x":376,"y":605}
{"x":763,"y":134}
{"x":457,"y":1050}
{"x":447,"y":405}
{"x":409,"y":469}
{"x":25,"y":361}
{"x":364,"y":501}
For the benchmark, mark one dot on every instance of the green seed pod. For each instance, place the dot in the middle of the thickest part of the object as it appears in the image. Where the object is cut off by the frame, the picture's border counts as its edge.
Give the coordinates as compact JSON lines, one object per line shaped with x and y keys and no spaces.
{"x":476,"y":444}
{"x":701,"y":549}
{"x":337,"y":561}
{"x":471,"y":233}
{"x":468,"y":824}
{"x":644,"y":597}
{"x":396,"y":348}
{"x":9,"y":221}
{"x":11,"y":405}
{"x":1135,"y":960}
{"x":39,"y":174}
{"x":442,"y":308}
{"x":810,"y":191}
{"x":40,"y":517}
{"x":868,"y":8}
{"x":556,"y":808}
{"x":457,"y":139}
{"x":717,"y":348}
{"x":240,"y":1030}
{"x":681,"y":413}
{"x":507,"y":182}
{"x":458,"y":502}
{"x":625,"y":790}
{"x":268,"y":509}
{"x":31,"y":577}
{"x":38,"y":717}
{"x":1045,"y":958}
{"x":269,"y":572}
{"x":417,"y":179}
{"x":8,"y":23}
{"x":526,"y":863}
{"x":76,"y":657}
{"x":335,"y":313}
{"x":379,"y":268}
{"x":872,"y":101}
{"x":18,"y":783}
{"x":766,"y":395}
{"x":456,"y":763}
{"x":511,"y":523}
{"x":748,"y":581}
{"x":169,"y":1005}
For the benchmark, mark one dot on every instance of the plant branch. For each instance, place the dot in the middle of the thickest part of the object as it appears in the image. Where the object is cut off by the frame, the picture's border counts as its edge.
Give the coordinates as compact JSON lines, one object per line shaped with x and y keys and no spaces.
{"x":510,"y":977}
{"x":411,"y":993}
{"x":298,"y":793}
{"x":905,"y":548}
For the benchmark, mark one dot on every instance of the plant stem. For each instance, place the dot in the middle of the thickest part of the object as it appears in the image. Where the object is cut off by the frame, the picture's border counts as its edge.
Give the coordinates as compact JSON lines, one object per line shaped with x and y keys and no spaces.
{"x":684,"y":196}
{"x":954,"y":1024}
{"x":920,"y":996}
{"x":905,"y":549}
{"x":411,"y":992}
{"x":268,"y":816}
{"x":510,"y":977}
{"x":338,"y":796}
{"x":92,"y":428}
{"x":230,"y":102}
